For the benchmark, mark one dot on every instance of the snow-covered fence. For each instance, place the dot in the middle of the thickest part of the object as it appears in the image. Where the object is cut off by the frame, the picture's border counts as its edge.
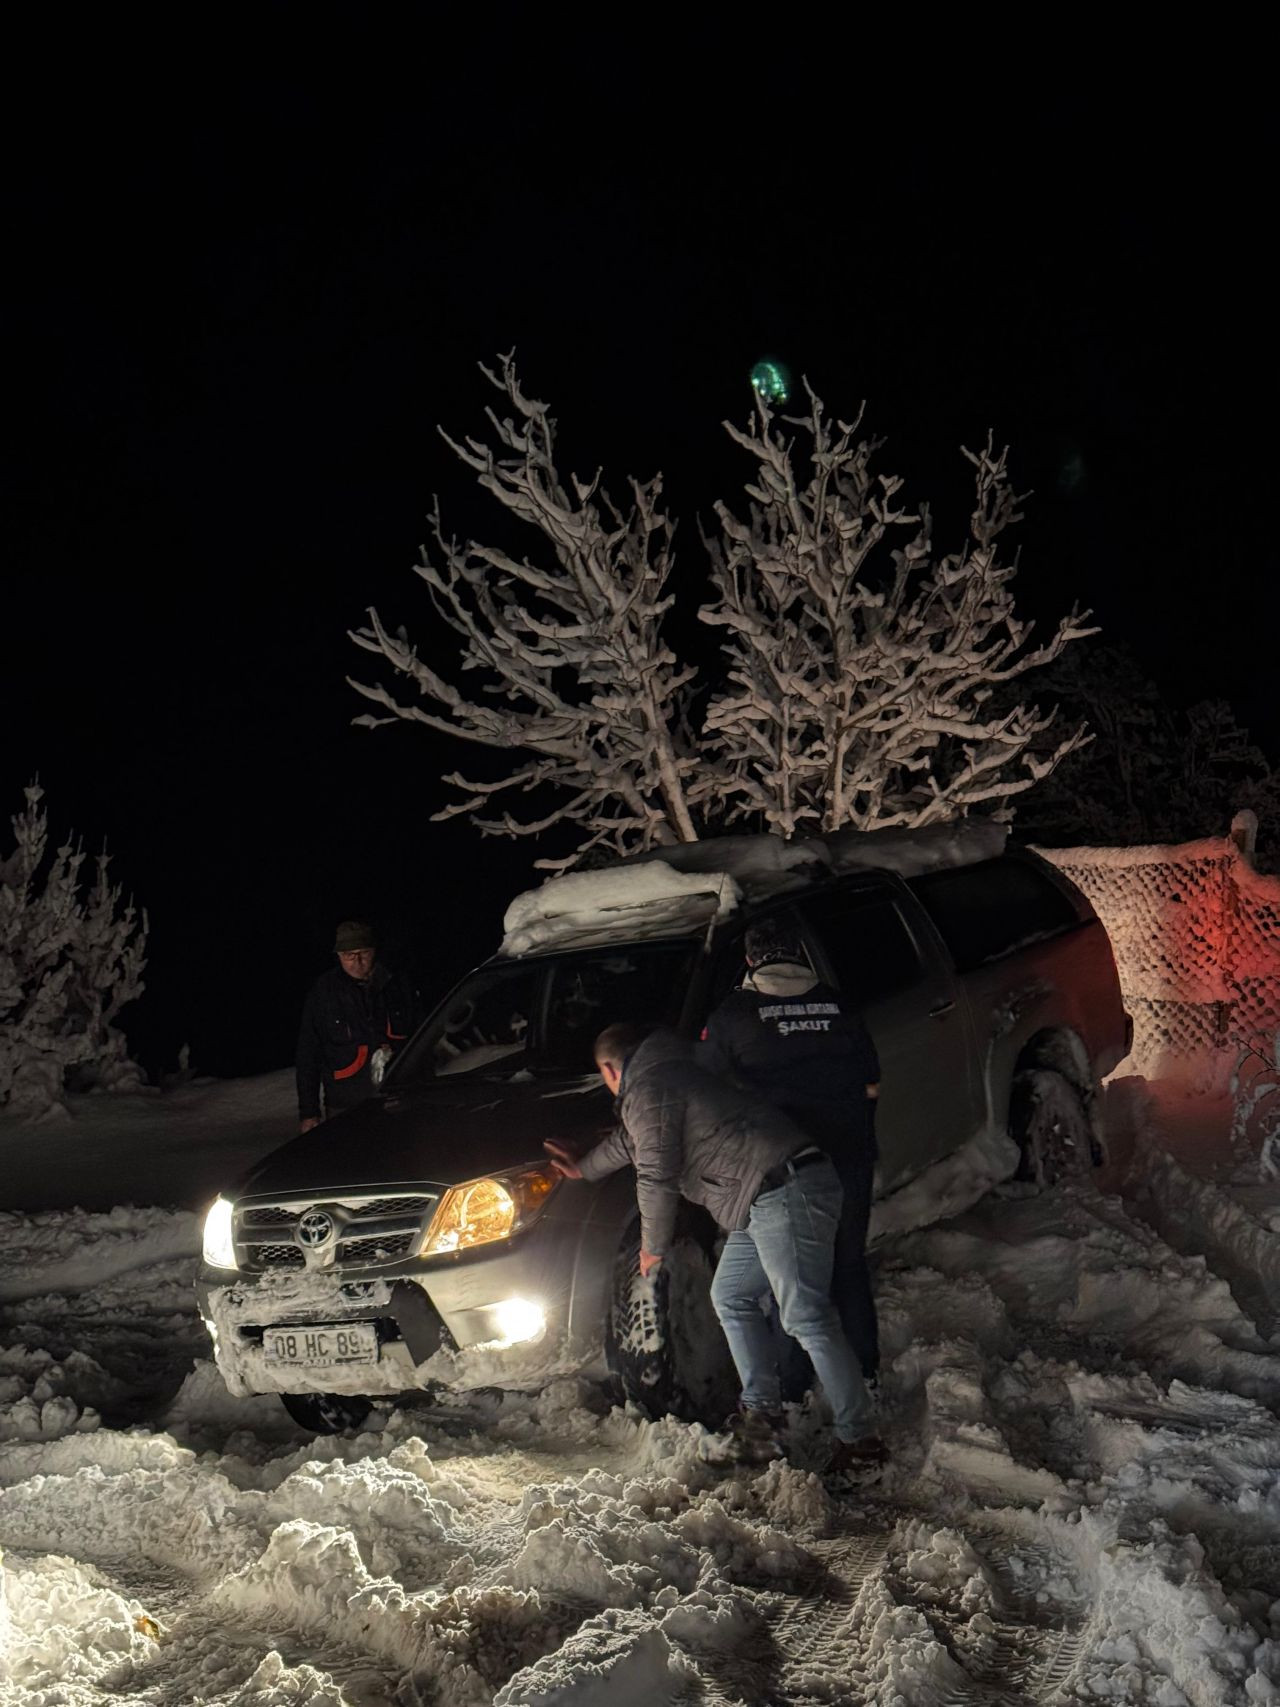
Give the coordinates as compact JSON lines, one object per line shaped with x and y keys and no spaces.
{"x":1196,"y":933}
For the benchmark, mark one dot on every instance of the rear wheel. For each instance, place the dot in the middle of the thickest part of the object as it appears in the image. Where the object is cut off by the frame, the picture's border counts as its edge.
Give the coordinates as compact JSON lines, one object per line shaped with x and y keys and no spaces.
{"x":665,"y":1344}
{"x":1049,"y":1120}
{"x":326,"y":1413}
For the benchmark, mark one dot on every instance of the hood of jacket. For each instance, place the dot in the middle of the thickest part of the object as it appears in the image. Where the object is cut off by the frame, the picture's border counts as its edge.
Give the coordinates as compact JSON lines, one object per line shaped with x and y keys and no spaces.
{"x":781,"y":978}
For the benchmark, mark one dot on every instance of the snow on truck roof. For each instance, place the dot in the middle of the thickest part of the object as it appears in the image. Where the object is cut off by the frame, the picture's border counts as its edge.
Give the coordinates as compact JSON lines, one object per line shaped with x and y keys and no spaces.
{"x":674,"y":891}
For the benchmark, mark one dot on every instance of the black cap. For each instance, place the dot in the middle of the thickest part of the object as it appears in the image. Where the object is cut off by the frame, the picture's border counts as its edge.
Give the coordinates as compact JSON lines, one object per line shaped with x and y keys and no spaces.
{"x":770,"y":940}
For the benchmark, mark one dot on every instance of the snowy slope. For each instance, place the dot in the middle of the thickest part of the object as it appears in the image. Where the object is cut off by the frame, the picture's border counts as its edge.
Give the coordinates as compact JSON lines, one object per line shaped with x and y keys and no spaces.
{"x":182,"y":1145}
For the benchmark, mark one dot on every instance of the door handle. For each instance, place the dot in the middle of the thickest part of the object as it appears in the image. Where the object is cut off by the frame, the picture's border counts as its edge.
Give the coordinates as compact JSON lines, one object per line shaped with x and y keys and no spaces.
{"x":942,"y":1009}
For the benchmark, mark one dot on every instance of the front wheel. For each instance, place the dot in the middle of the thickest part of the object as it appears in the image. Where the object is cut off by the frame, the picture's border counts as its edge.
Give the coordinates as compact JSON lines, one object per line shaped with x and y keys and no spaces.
{"x":1050,"y":1123}
{"x":326,"y":1413}
{"x":664,"y":1342}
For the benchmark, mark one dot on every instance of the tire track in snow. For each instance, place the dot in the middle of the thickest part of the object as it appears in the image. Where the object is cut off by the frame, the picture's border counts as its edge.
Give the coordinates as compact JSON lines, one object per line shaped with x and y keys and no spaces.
{"x":1127,"y":1373}
{"x":804,"y":1656}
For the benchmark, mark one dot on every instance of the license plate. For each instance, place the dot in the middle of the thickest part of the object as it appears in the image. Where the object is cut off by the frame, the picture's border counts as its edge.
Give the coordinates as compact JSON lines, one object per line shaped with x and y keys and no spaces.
{"x":323,"y":1345}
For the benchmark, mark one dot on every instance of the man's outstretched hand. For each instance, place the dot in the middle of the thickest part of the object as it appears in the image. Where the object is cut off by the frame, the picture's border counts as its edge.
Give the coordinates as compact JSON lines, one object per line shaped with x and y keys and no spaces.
{"x":562,"y":1159}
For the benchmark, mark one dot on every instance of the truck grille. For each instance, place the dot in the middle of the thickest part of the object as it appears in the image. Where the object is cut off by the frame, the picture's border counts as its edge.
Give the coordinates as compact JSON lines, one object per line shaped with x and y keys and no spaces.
{"x":269,"y":1216}
{"x":377,"y":1250}
{"x":364,"y":1232}
{"x":279,"y":1256}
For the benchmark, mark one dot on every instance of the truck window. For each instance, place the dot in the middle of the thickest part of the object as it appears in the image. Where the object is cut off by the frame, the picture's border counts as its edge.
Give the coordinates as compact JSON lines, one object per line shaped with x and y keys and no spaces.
{"x":543,"y":1015}
{"x":984,"y":911}
{"x":487,"y":1021}
{"x":867,"y":941}
{"x":646,"y":983}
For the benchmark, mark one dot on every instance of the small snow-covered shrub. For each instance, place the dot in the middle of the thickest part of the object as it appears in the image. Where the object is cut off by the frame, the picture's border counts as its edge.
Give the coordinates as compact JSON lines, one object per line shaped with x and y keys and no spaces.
{"x":72,"y":953}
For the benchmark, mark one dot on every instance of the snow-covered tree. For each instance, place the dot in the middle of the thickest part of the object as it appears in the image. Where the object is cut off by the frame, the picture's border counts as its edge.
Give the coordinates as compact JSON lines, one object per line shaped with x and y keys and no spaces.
{"x":858,"y":677}
{"x":864,"y":667}
{"x":72,"y":954}
{"x":1153,"y":772}
{"x":573,"y":677}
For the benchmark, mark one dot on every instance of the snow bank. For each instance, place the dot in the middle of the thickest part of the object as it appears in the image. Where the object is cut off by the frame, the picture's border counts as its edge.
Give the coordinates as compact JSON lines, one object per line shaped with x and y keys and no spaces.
{"x":616,"y":1657}
{"x":1093,"y":1271}
{"x":69,"y":1251}
{"x":946,"y":1188}
{"x":99,"y":1293}
{"x":61,"y":1625}
{"x":182,"y":1145}
{"x":1230,"y":1225}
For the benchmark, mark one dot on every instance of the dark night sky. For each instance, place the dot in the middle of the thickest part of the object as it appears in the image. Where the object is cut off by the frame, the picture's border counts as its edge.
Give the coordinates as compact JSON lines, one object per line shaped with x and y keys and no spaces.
{"x":241,"y":295}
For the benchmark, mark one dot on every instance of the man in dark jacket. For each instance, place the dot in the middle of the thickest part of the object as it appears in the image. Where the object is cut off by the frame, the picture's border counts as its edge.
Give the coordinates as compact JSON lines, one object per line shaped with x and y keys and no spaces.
{"x":798,"y":1043}
{"x":690,"y":1134}
{"x":352,"y":1012}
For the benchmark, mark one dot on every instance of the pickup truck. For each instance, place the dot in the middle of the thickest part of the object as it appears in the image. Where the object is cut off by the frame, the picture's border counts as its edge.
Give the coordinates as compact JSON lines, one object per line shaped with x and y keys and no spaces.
{"x":421,"y":1239}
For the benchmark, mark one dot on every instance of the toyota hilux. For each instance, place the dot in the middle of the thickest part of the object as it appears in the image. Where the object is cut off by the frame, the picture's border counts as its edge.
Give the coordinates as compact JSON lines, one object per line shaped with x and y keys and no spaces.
{"x":421,"y":1240}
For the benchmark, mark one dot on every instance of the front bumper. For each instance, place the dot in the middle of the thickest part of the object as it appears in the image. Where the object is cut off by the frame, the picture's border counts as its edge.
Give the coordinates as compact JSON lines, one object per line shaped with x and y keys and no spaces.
{"x":451,"y":1323}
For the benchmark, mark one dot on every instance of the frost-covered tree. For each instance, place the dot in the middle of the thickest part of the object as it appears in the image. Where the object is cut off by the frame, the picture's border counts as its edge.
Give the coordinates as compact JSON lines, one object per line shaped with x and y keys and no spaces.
{"x":72,"y":954}
{"x":572,"y":675}
{"x":859,"y":669}
{"x":1153,"y":773}
{"x":864,"y":667}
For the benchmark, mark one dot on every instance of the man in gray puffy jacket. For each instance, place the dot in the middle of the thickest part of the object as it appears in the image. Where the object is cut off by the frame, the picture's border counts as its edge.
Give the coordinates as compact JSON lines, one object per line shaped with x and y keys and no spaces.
{"x":776,"y":1195}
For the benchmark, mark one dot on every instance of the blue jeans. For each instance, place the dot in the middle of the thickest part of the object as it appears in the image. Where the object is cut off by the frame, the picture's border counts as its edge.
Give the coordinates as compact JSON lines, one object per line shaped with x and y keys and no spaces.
{"x":788,"y":1248}
{"x":850,"y":1283}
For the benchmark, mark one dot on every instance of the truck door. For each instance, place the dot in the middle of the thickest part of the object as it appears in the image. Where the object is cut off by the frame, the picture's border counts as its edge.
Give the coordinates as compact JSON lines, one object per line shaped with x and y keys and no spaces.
{"x":893,"y":971}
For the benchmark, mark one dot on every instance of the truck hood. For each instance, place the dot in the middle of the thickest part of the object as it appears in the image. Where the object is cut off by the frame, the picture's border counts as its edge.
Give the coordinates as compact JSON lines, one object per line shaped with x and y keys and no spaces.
{"x":444,"y":1133}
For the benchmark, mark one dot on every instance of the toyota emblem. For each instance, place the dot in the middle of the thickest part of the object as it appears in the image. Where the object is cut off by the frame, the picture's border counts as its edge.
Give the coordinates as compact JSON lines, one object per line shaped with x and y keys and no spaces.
{"x":315,"y":1229}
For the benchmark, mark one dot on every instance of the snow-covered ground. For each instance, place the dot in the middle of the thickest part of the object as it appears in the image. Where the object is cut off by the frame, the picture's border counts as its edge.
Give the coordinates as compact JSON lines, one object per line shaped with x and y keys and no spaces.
{"x":1081,"y":1394}
{"x":181,"y":1145}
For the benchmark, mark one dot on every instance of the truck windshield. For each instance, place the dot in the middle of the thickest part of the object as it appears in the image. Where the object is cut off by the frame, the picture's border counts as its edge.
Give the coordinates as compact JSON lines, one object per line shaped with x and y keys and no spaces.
{"x":542,"y":1015}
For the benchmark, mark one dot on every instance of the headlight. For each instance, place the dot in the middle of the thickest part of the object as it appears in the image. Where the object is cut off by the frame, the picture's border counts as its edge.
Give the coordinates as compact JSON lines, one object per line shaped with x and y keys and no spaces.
{"x":487,"y":1209}
{"x":518,"y":1320}
{"x":219,"y":1247}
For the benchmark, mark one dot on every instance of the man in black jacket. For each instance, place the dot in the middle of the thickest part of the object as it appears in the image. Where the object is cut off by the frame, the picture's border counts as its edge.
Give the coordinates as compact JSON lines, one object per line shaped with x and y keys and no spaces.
{"x":690,"y":1134}
{"x":352,"y":1012}
{"x":798,"y":1043}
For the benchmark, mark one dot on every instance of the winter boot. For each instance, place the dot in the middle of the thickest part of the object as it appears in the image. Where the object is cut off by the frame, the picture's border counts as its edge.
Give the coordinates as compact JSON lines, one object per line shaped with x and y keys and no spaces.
{"x":851,"y":1458}
{"x":755,"y":1437}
